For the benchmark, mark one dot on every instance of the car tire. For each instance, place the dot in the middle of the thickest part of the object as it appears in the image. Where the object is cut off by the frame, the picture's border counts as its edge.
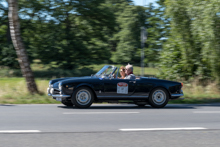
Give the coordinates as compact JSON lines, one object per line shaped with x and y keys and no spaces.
{"x":83,"y":97}
{"x":159,"y":97}
{"x":67,"y":103}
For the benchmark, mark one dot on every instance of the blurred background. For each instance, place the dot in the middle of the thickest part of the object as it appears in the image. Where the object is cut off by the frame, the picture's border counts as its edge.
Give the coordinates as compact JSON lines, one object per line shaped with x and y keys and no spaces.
{"x":77,"y":37}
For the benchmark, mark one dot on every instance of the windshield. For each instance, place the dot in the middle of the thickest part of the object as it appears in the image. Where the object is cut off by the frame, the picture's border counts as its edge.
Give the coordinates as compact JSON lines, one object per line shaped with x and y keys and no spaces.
{"x":106,"y":71}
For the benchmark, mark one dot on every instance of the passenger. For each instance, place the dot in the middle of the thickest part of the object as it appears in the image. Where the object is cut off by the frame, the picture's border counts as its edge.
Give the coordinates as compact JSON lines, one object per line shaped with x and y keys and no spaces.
{"x":122,"y":72}
{"x":129,"y":72}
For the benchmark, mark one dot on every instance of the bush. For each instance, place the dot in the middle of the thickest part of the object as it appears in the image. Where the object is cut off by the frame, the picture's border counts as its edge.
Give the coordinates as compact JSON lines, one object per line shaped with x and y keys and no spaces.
{"x":55,"y":73}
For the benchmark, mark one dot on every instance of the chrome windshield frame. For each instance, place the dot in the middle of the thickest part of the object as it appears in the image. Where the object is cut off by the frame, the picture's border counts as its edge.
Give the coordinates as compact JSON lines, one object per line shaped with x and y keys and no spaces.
{"x":99,"y":73}
{"x":102,"y":70}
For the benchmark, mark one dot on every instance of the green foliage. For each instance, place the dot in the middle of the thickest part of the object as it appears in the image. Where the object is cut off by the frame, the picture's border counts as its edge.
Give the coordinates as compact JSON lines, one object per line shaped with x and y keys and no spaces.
{"x":68,"y":34}
{"x":194,"y":43}
{"x":127,"y":42}
{"x":73,"y":35}
{"x":157,"y":29}
{"x":42,"y":71}
{"x":130,"y":20}
{"x":52,"y":73}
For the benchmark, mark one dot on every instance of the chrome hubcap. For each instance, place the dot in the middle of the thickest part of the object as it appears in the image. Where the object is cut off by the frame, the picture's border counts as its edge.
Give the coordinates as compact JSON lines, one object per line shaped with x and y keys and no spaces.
{"x":159,"y":97}
{"x":83,"y":97}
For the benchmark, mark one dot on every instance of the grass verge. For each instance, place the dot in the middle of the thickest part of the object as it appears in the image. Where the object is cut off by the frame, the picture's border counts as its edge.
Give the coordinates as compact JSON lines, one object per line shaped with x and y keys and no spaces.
{"x":195,"y":93}
{"x":14,"y":91}
{"x":13,"y":87}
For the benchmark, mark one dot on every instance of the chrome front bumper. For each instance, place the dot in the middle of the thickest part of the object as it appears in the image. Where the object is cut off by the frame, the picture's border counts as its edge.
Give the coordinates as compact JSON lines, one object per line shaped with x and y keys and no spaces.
{"x":177,"y":96}
{"x":60,"y":95}
{"x":50,"y":92}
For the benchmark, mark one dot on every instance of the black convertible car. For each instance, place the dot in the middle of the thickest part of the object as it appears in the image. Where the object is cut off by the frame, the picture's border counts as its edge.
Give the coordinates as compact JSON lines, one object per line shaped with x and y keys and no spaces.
{"x":105,"y":86}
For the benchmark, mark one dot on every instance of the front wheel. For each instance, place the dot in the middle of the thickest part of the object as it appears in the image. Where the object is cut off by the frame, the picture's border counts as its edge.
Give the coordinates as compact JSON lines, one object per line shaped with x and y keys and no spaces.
{"x":159,"y":97}
{"x":83,"y":97}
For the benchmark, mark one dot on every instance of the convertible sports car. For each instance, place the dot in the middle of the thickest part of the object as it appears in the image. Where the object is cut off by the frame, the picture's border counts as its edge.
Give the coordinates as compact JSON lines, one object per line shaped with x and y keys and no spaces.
{"x":105,"y":86}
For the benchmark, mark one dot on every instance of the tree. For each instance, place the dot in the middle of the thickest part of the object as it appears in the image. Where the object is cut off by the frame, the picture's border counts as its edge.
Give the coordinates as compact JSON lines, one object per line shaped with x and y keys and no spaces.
{"x":157,"y":25}
{"x":67,"y":33}
{"x":7,"y":51}
{"x":193,"y":47}
{"x":19,"y":47}
{"x":130,"y":18}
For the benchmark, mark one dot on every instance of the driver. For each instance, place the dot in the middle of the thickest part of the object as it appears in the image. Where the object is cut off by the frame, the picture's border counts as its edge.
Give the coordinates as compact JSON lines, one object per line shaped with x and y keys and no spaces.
{"x":129,"y":72}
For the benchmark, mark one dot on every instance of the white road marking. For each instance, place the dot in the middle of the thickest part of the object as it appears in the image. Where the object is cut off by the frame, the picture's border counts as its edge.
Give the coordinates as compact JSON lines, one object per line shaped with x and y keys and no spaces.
{"x":206,"y":112}
{"x":99,"y":112}
{"x":162,"y":129}
{"x":20,"y":131}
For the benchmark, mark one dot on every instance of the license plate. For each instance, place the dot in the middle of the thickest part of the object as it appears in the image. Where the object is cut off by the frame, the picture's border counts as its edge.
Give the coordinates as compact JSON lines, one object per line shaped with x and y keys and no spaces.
{"x":59,"y":99}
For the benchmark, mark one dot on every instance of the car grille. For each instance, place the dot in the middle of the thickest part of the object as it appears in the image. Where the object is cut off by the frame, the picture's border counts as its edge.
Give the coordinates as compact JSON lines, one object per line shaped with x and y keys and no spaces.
{"x":53,"y":91}
{"x":56,"y":91}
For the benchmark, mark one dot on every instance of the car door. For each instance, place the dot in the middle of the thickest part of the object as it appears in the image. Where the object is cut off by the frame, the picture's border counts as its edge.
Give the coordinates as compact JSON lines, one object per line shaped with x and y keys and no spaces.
{"x":119,"y":87}
{"x":143,"y":87}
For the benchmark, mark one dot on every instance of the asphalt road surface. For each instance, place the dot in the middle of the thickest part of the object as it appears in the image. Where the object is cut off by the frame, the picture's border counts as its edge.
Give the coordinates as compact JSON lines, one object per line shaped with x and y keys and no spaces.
{"x":110,"y":125}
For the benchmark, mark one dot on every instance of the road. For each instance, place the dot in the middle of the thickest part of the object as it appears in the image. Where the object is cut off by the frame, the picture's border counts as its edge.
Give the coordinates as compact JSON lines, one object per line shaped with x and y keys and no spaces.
{"x":109,"y":125}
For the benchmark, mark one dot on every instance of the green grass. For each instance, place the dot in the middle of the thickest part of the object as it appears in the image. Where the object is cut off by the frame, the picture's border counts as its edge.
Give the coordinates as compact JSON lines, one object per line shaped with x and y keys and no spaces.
{"x":195,"y":93}
{"x":14,"y":91}
{"x":13,"y":87}
{"x":195,"y":101}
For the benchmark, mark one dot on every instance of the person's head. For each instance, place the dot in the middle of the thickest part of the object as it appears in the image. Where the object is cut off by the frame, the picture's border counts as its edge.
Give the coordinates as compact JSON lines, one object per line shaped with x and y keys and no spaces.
{"x":122,"y":71}
{"x":128,"y":69}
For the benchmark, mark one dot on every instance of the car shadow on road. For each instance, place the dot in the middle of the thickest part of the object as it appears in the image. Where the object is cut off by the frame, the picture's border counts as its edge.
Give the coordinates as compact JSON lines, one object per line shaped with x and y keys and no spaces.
{"x":7,"y":105}
{"x":119,"y":106}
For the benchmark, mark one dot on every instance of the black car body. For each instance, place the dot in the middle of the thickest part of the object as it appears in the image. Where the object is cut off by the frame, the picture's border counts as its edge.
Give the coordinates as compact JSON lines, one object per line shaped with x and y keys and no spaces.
{"x":104,"y":86}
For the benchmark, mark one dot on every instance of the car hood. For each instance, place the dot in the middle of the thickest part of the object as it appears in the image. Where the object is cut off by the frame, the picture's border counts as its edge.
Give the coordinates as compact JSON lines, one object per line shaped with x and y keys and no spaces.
{"x":55,"y":82}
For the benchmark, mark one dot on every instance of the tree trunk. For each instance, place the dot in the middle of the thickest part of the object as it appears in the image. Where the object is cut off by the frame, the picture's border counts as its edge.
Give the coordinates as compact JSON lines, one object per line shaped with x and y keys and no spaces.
{"x":19,"y":46}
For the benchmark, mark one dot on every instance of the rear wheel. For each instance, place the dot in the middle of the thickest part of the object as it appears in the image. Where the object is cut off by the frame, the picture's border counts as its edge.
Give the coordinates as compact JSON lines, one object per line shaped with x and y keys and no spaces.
{"x":83,"y":97}
{"x":159,"y":97}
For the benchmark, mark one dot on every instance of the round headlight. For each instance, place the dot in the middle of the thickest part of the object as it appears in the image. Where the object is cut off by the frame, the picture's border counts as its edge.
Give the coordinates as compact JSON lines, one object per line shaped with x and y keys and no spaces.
{"x":60,"y":86}
{"x":51,"y":91}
